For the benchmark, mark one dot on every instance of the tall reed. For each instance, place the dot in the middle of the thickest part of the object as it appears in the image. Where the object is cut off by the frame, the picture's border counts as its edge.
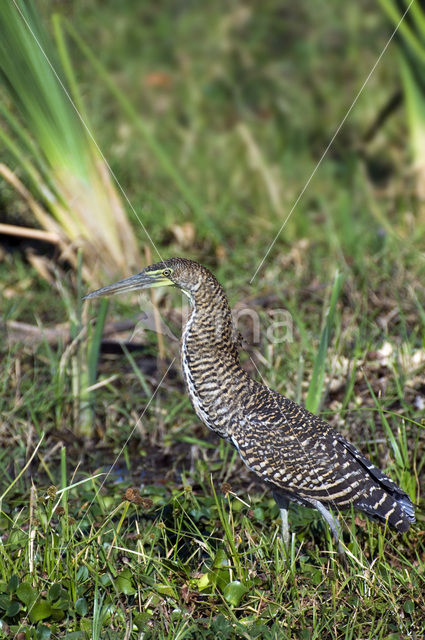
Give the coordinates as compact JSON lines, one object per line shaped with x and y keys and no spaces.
{"x":57,"y":167}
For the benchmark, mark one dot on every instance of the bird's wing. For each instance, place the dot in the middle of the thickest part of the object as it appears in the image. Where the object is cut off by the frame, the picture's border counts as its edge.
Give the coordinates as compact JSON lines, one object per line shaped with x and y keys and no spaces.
{"x":303,"y":456}
{"x":296,"y":450}
{"x":373,"y":471}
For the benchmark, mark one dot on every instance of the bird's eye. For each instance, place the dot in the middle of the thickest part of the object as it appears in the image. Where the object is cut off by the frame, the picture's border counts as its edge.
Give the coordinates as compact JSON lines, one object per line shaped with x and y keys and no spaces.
{"x":166,"y":273}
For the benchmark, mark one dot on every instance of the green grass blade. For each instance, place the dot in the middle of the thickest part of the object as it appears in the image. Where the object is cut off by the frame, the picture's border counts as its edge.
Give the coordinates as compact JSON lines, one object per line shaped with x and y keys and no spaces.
{"x":141,"y":378}
{"x":404,"y":29}
{"x":415,"y":107}
{"x":67,"y":66}
{"x":35,"y":89}
{"x":19,"y":154}
{"x":412,"y":65}
{"x":391,"y":437}
{"x":96,"y":341}
{"x":315,"y":389}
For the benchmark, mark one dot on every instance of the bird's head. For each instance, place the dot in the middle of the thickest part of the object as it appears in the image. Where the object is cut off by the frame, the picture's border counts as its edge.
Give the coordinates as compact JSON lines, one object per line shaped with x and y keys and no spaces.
{"x":180,"y":272}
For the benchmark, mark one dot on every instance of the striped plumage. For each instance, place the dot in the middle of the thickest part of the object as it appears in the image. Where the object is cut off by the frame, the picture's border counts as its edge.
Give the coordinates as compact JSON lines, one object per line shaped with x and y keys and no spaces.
{"x":300,"y":456}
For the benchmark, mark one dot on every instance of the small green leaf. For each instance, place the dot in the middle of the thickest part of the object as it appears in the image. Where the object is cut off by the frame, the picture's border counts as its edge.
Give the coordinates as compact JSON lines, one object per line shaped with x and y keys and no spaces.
{"x":140,"y":619}
{"x":204,"y":582}
{"x":126,"y":573}
{"x":409,"y":606}
{"x":221,"y":559}
{"x":41,"y":610}
{"x":221,"y":578}
{"x":43,"y":632}
{"x":4,"y":601}
{"x":62,"y":603}
{"x":13,"y":609}
{"x":316,"y":577}
{"x":86,"y":625}
{"x":123,"y":585}
{"x":26,"y":593}
{"x":13,"y":584}
{"x":57,"y":615}
{"x":234,"y":592}
{"x":82,"y":573}
{"x":220,"y":575}
{"x":54,"y":592}
{"x":146,"y":580}
{"x":165,"y":590}
{"x":81,"y":606}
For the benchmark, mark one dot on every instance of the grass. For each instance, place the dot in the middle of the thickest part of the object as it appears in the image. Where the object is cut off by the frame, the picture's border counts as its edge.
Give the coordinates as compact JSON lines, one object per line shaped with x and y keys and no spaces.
{"x":131,"y":520}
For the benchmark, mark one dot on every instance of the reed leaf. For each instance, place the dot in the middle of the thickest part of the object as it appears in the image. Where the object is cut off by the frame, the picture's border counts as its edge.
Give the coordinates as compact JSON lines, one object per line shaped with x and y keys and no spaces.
{"x":411,"y":44}
{"x":315,"y":390}
{"x":53,"y":150}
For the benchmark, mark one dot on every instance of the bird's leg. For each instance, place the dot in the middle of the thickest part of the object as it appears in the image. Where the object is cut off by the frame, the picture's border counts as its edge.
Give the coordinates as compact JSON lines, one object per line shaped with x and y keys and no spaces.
{"x":332,"y":522}
{"x":283,"y":504}
{"x":285,"y":526}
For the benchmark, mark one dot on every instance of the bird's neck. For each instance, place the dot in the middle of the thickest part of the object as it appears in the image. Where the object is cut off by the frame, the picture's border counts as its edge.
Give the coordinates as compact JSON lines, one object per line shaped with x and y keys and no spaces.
{"x":210,"y":325}
{"x":209,"y":354}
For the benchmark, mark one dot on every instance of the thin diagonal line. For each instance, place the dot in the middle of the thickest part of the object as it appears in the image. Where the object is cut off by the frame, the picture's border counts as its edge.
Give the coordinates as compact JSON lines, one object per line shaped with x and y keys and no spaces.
{"x":111,"y":171}
{"x":62,"y":551}
{"x":338,"y":129}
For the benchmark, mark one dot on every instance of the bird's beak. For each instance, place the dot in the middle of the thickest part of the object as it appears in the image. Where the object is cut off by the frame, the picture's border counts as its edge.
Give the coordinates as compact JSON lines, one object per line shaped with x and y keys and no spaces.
{"x":143,"y":280}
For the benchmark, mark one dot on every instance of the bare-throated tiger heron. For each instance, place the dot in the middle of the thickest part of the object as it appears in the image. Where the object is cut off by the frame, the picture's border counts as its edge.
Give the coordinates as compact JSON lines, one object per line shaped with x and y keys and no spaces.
{"x":297,"y":454}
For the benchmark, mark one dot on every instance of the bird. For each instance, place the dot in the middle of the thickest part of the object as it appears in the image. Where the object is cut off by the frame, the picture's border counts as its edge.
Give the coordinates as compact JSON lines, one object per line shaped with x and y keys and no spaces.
{"x":297,"y":454}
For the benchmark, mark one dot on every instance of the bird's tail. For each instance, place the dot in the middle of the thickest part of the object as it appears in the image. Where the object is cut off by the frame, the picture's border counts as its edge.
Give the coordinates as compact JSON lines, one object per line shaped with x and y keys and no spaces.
{"x":394,"y":507}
